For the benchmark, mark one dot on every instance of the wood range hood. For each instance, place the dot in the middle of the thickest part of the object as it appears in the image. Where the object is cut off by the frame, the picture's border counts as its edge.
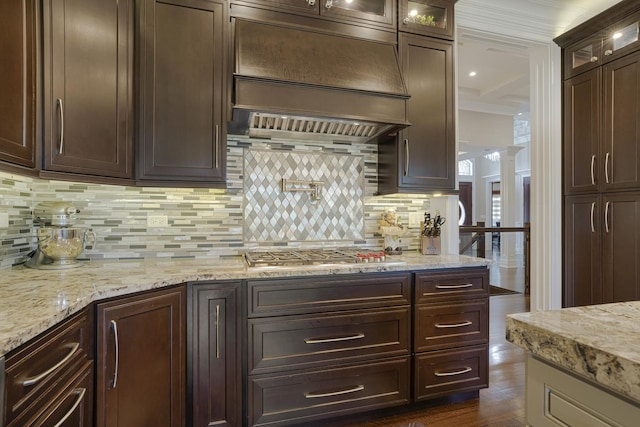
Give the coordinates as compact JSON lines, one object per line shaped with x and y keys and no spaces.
{"x":306,"y":84}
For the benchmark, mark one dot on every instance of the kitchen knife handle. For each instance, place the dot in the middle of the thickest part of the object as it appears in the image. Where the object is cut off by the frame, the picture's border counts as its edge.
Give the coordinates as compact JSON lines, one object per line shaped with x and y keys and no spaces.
{"x":217,"y":147}
{"x":593,"y":163}
{"x":606,"y":168}
{"x":61,"y":122}
{"x":593,"y":208}
{"x":406,"y":157}
{"x":114,"y":327}
{"x":606,"y":217}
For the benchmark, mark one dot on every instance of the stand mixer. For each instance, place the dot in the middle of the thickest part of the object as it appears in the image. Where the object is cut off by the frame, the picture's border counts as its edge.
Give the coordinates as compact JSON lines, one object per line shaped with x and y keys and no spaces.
{"x":59,"y":243}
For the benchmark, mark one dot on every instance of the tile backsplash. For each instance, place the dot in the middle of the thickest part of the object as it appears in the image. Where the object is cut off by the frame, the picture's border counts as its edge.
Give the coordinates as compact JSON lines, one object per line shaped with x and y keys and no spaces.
{"x":209,"y":222}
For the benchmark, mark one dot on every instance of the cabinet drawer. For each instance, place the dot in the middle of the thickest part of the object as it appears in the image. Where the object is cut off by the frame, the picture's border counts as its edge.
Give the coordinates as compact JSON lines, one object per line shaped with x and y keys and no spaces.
{"x":34,"y":372}
{"x":304,"y":341}
{"x":443,"y":373}
{"x":306,"y":396}
{"x":310,"y":294}
{"x":74,"y":406}
{"x":462,"y":284}
{"x":440,"y":326}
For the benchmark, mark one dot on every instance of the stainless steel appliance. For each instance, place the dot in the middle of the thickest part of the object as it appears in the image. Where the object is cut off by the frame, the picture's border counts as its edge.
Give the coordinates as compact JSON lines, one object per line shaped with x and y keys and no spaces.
{"x":59,"y":243}
{"x":285,"y":258}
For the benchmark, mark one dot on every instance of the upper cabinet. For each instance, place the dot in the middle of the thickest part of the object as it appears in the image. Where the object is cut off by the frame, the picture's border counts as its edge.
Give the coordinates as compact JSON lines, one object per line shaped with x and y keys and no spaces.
{"x":427,"y":17}
{"x":88,"y":93}
{"x":379,"y":14}
{"x":18,"y":82}
{"x":182,"y":127}
{"x":421,"y":158}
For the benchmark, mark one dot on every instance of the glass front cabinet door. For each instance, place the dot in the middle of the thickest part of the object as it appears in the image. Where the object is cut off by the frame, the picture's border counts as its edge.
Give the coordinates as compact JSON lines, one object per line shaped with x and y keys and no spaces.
{"x":622,"y":38}
{"x":427,"y":17}
{"x":379,"y":13}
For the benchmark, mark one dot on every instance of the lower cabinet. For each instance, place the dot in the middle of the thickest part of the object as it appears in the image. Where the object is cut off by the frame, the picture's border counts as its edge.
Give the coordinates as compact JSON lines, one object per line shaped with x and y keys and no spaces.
{"x":141,"y":360}
{"x":214,"y":369}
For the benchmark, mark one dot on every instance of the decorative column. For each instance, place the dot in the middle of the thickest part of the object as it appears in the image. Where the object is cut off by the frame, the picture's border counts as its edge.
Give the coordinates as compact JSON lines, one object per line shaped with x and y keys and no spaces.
{"x":508,"y":207}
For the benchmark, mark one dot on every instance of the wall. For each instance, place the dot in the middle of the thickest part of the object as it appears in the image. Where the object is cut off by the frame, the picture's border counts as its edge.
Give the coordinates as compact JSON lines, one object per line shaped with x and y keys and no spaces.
{"x":485,"y":129}
{"x":202,"y":222}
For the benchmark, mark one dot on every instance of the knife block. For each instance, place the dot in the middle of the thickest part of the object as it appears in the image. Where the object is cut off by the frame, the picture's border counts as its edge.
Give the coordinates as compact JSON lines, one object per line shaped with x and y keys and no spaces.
{"x":430,"y":245}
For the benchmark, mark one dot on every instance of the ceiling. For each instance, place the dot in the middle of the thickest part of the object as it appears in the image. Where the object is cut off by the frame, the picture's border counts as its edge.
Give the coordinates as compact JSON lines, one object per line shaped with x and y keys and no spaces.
{"x":494,"y":38}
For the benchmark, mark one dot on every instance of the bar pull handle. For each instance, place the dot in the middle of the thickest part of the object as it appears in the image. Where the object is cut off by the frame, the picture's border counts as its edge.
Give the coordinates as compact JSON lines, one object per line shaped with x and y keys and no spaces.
{"x":593,"y":208}
{"x":33,"y":380}
{"x":606,"y":217}
{"x":337,"y":339}
{"x":217,"y":147}
{"x":80,"y":392}
{"x":61,"y":123}
{"x":406,"y":157}
{"x":450,"y":374}
{"x":334,"y":393}
{"x":114,"y":327}
{"x":453,"y":325}
{"x":606,"y":168}
{"x":593,"y":163}
{"x":460,"y":286}
{"x":217,"y":331}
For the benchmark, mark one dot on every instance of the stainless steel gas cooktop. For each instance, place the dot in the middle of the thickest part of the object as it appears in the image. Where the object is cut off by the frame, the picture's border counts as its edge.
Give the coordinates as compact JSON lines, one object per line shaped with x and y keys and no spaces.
{"x":284,"y":258}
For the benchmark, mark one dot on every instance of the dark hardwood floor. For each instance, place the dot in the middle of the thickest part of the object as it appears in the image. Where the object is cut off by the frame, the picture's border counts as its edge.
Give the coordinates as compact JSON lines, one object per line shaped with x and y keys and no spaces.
{"x":500,"y":405}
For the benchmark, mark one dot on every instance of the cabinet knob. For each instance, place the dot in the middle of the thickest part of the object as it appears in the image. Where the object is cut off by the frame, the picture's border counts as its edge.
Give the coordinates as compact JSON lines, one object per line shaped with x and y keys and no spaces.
{"x":608,"y":52}
{"x":594,"y":59}
{"x":311,"y":2}
{"x":328,"y":4}
{"x":405,"y":21}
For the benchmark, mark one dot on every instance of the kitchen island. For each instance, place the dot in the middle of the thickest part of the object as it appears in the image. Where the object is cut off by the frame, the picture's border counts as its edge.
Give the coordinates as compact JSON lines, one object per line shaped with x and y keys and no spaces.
{"x":583,"y":366}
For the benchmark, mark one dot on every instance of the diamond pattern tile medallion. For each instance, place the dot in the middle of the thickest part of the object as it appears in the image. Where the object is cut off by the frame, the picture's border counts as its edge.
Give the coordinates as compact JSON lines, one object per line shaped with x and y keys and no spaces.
{"x":271,"y":215}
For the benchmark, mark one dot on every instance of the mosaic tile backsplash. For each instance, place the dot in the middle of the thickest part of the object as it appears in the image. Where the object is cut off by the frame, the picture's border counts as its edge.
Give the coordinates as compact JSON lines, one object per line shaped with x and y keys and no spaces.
{"x":211,"y":223}
{"x":274,"y":215}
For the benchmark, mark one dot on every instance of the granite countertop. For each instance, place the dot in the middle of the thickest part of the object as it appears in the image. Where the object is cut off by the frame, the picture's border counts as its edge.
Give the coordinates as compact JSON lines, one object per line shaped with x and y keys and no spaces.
{"x":35,"y":300}
{"x":600,"y":342}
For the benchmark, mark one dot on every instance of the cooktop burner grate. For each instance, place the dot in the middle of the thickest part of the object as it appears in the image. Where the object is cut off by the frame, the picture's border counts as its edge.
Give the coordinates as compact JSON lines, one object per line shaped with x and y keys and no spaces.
{"x":301,"y":257}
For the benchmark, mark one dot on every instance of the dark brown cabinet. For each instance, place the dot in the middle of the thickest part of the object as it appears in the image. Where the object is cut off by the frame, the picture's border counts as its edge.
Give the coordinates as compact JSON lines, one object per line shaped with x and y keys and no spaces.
{"x":422,"y":158}
{"x":378,"y":14}
{"x":327,"y":346}
{"x":50,"y":379}
{"x":451,"y":332}
{"x":18,"y":20}
{"x":182,"y":127}
{"x":214,"y":370}
{"x":601,"y":164}
{"x":141,"y":352}
{"x":427,"y":17}
{"x":88,"y":90}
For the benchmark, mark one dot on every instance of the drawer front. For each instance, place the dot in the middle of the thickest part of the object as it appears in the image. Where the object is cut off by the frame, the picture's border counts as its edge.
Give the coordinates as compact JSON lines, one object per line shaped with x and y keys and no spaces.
{"x":296,"y":342}
{"x":440,"y":326}
{"x":443,"y":373}
{"x":34,"y":371}
{"x":305,"y":396}
{"x":461,"y":284}
{"x":316,"y":294}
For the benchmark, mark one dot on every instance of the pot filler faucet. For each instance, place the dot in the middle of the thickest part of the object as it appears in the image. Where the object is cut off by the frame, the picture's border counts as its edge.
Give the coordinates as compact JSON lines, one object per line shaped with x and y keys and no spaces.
{"x":314,"y":187}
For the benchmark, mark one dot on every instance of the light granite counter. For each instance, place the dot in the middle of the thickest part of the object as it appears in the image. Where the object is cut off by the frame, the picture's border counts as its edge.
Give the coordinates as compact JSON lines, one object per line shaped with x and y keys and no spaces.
{"x":31,"y":301}
{"x":600,"y":343}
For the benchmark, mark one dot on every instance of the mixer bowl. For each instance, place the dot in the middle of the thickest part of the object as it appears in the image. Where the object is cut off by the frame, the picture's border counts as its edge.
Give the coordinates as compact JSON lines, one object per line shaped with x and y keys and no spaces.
{"x":62,"y":245}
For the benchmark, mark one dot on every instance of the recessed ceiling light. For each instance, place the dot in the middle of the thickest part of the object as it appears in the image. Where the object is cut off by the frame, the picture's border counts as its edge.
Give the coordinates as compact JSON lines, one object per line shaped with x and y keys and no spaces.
{"x":617,"y":35}
{"x":473,"y":74}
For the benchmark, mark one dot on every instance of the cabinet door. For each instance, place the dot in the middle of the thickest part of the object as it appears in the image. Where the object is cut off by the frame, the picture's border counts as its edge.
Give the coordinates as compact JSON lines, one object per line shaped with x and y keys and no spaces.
{"x":18,"y":82}
{"x":141,"y":360}
{"x":582,"y":164}
{"x":182,"y":131}
{"x":426,"y":151}
{"x":87,"y":80}
{"x":215,"y":370}
{"x":582,"y":56}
{"x":621,"y":247}
{"x":379,"y":12}
{"x":621,"y":124}
{"x":428,"y":17}
{"x":582,"y":253}
{"x":622,"y":38}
